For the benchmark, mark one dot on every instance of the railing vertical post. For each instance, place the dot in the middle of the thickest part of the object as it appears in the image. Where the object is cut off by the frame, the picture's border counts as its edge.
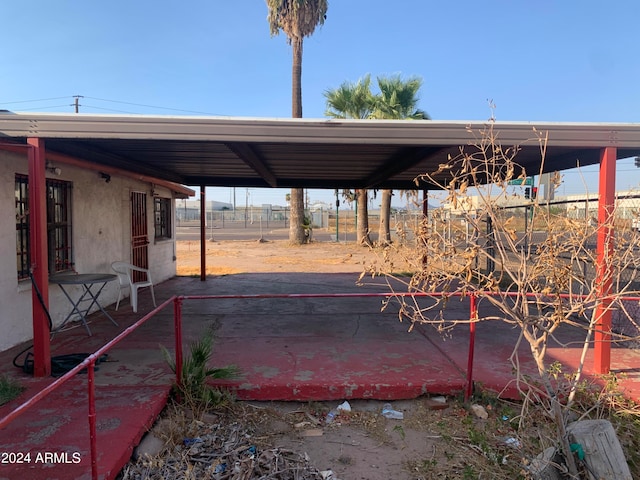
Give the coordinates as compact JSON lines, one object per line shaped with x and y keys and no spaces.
{"x":92,"y":418}
{"x":473,"y":317}
{"x":604,"y":263}
{"x":177,"y":319}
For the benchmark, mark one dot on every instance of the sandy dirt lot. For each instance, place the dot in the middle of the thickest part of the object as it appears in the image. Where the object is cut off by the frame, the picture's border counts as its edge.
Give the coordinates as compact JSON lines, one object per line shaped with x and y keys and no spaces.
{"x":229,"y":257}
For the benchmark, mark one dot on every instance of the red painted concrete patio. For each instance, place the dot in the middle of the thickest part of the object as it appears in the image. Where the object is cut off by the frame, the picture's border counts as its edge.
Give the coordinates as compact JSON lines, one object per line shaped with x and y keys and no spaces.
{"x":287,"y":349}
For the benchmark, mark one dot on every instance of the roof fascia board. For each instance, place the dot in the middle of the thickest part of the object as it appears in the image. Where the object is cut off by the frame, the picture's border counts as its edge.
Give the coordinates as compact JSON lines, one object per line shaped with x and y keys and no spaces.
{"x":11,"y":146}
{"x":22,"y":148}
{"x":408,"y":132}
{"x":181,"y":190}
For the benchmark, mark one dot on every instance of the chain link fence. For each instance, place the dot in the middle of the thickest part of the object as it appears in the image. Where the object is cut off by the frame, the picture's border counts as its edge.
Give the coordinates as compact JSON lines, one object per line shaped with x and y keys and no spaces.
{"x":529,"y":236}
{"x":341,"y":225}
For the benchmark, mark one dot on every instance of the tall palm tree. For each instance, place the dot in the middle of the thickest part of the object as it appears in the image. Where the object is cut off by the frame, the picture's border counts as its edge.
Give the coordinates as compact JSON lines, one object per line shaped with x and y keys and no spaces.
{"x":297,"y":19}
{"x":354,"y":100}
{"x":397,"y":100}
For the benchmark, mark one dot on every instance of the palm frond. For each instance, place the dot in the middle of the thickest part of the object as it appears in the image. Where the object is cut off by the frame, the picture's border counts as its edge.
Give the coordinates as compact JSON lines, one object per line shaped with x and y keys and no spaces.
{"x":296,"y":18}
{"x":350,"y":100}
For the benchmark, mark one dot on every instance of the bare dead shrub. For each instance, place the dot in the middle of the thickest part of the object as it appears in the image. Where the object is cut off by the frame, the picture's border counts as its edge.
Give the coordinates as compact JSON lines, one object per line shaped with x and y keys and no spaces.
{"x":537,"y":271}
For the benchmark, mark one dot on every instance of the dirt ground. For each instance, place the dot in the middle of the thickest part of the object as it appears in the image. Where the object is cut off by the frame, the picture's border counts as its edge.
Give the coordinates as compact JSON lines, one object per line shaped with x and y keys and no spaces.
{"x":292,"y":440}
{"x":289,"y":440}
{"x":229,"y":257}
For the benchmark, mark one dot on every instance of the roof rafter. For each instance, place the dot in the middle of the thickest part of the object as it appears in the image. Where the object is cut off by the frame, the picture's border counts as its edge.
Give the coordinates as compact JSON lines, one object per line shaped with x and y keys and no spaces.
{"x":252,"y":159}
{"x":399,"y":162}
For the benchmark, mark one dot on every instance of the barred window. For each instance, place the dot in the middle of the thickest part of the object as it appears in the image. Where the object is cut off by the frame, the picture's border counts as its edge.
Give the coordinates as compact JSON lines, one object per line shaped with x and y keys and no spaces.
{"x":162,"y":208}
{"x":22,"y":225}
{"x":59,"y":225}
{"x":59,"y":244}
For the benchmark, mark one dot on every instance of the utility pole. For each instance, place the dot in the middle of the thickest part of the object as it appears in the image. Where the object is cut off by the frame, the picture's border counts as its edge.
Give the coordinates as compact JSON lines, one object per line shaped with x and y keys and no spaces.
{"x":76,"y":104}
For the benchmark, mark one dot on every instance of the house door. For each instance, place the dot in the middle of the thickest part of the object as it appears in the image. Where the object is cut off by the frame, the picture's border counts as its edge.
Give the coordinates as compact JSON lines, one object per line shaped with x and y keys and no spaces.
{"x":139,"y":239}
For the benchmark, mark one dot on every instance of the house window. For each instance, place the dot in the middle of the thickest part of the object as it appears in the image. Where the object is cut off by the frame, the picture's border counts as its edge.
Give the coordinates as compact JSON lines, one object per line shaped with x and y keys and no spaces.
{"x":162,"y":208}
{"x":59,"y":247}
{"x":59,"y":225}
{"x":22,"y":226}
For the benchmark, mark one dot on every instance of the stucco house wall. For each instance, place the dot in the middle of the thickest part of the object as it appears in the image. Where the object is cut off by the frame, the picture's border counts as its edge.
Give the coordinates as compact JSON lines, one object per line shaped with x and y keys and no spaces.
{"x":101,"y":234}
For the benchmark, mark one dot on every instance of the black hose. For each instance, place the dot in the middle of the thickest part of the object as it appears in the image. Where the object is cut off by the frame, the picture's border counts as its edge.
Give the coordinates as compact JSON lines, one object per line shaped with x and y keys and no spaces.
{"x":24,"y":365}
{"x":41,"y":300}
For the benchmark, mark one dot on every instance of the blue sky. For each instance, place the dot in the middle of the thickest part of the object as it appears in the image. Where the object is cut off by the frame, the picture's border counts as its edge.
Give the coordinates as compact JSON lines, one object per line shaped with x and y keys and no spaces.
{"x":542,"y":60}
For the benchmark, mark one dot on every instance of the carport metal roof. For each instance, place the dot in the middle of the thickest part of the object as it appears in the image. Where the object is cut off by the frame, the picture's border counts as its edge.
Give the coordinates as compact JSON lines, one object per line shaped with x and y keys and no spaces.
{"x":252,"y":152}
{"x":307,"y":153}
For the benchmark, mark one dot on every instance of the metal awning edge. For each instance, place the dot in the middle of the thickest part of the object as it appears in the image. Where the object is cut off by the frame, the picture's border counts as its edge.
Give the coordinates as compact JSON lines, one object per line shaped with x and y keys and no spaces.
{"x":227,"y":129}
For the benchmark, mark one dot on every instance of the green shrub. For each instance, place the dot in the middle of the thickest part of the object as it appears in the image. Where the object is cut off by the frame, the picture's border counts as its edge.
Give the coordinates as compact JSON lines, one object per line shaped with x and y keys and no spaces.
{"x":194,"y":388}
{"x":9,"y":389}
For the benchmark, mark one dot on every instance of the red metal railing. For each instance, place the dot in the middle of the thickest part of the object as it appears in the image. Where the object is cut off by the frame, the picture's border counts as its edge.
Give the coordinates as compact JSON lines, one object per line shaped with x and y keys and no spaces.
{"x":473,"y":315}
{"x":473,"y":309}
{"x":89,"y":363}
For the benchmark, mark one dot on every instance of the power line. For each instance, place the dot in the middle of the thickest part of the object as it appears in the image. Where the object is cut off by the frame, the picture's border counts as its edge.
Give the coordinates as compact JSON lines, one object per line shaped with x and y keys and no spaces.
{"x":31,"y":101}
{"x":76,"y":104}
{"x":148,"y":106}
{"x":42,"y":108}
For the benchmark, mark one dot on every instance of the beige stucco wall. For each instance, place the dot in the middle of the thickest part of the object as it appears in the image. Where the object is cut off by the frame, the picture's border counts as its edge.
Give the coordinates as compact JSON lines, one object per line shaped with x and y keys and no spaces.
{"x":101,"y":234}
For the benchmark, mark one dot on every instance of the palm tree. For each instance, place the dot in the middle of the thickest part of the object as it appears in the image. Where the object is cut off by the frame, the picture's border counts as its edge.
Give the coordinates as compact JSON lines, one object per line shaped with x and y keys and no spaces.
{"x":351,"y":100}
{"x":397,"y":101}
{"x":354,"y":100}
{"x":297,"y":19}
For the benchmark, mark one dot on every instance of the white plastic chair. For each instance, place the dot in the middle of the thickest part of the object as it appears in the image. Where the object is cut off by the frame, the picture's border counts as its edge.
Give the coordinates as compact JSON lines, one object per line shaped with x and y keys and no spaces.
{"x":125,"y":278}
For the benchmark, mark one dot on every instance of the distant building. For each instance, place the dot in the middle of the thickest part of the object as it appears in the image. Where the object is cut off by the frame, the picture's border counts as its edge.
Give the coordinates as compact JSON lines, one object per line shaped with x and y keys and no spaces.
{"x":321,"y":206}
{"x":190,"y":209}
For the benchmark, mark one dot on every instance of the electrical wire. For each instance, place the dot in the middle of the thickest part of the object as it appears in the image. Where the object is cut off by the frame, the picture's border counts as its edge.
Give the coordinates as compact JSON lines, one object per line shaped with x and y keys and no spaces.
{"x":42,"y":108}
{"x":32,"y":101}
{"x":100,"y":108}
{"x":148,"y":106}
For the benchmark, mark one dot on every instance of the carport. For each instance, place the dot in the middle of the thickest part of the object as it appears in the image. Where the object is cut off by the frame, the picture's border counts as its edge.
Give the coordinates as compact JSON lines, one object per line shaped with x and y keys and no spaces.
{"x":295,"y":153}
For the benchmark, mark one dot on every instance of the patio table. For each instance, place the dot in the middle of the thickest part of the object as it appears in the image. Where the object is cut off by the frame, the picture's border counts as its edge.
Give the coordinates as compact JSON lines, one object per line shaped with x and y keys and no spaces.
{"x":89,"y":293}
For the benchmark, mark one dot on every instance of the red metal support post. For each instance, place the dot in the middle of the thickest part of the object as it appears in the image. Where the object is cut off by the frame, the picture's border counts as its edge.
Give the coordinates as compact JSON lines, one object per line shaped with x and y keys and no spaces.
{"x":39,"y":257}
{"x":177,"y":320}
{"x":473,"y":317}
{"x":604,"y":269}
{"x":203,"y":227}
